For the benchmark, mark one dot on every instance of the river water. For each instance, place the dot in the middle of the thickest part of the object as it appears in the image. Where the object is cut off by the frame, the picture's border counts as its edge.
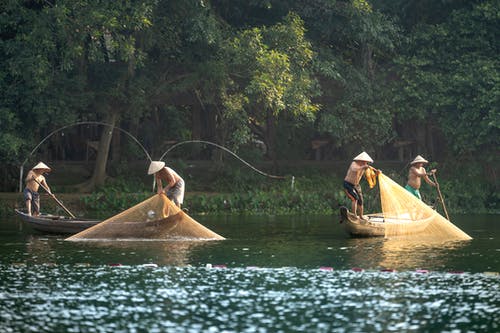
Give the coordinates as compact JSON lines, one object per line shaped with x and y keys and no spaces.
{"x":272,"y":274}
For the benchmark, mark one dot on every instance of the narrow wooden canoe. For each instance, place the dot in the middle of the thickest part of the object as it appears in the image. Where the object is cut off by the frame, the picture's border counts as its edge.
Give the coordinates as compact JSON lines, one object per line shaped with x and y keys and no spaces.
{"x":56,"y":224}
{"x":373,"y":226}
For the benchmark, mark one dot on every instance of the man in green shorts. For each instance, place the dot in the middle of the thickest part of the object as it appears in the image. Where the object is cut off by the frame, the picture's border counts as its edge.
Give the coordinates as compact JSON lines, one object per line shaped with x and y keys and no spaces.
{"x":415,"y":175}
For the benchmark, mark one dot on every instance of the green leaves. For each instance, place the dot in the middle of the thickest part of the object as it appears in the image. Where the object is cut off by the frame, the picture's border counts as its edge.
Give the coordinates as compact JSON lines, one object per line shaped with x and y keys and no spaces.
{"x":278,"y":68}
{"x":450,"y":72}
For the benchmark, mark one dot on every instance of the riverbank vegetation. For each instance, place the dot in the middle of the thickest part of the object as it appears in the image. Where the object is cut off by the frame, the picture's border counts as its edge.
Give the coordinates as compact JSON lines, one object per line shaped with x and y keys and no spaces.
{"x":274,"y":81}
{"x":312,"y":191}
{"x":305,"y":189}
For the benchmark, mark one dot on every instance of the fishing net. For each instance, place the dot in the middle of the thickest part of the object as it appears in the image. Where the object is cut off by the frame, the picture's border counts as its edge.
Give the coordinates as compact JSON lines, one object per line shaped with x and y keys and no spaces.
{"x":154,"y":218}
{"x":406,"y":215}
{"x":371,"y":177}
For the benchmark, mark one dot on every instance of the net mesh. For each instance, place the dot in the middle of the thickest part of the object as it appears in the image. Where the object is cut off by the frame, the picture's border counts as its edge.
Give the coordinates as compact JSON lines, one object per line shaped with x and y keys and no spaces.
{"x":154,"y":218}
{"x":406,"y":215}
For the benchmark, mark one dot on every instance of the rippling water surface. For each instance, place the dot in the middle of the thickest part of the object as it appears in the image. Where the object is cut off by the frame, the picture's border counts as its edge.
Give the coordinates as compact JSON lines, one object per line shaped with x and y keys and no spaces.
{"x":278,"y":274}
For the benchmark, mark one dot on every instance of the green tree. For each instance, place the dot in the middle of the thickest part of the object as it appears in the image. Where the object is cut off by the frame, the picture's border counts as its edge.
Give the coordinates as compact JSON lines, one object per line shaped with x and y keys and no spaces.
{"x":352,"y":43}
{"x":270,"y":75}
{"x":355,"y":45}
{"x":67,"y":61}
{"x":449,"y":77}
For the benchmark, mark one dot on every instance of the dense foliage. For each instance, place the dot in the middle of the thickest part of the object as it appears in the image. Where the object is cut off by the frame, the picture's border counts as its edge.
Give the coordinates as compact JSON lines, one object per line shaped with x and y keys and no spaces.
{"x":352,"y":74}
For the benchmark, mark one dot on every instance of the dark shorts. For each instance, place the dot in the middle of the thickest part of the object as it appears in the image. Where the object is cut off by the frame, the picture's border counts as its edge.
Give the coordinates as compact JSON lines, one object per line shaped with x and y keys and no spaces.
{"x":34,"y":197}
{"x":353,"y":192}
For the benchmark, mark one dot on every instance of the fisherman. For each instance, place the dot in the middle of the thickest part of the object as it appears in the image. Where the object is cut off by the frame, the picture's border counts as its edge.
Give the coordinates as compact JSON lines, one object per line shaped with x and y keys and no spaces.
{"x":351,"y":181}
{"x":174,"y":188}
{"x":415,"y":175}
{"x":34,"y":180}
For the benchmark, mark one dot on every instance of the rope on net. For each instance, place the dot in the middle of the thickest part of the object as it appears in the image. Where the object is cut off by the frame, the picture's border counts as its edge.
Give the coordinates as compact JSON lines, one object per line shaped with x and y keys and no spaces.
{"x":21,"y":168}
{"x":228,"y":151}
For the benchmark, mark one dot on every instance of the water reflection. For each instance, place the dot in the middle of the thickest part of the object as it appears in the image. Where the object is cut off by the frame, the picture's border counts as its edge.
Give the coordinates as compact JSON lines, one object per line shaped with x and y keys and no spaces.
{"x":269,"y":243}
{"x":168,"y":253}
{"x":43,"y":250}
{"x":405,"y":254}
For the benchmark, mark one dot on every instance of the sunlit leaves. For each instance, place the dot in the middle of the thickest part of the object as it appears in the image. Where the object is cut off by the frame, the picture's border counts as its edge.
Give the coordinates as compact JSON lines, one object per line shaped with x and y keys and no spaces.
{"x":271,"y":68}
{"x":362,"y":5}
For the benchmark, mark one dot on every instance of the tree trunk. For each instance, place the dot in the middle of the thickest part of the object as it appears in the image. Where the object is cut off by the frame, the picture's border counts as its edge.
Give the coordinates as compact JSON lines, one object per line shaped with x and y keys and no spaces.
{"x":99,"y":174}
{"x":116,"y":144}
{"x":270,"y":135}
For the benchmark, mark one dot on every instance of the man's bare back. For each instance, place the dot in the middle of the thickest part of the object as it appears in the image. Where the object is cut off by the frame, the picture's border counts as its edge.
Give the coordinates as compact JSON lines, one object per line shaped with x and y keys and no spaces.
{"x":167,"y":175}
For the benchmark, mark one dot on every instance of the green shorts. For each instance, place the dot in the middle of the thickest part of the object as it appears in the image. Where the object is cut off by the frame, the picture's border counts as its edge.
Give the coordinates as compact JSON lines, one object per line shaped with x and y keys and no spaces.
{"x":413,"y":191}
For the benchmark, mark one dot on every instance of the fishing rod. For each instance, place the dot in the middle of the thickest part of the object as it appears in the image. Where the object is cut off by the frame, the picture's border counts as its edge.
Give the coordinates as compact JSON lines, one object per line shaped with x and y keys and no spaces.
{"x":21,"y":168}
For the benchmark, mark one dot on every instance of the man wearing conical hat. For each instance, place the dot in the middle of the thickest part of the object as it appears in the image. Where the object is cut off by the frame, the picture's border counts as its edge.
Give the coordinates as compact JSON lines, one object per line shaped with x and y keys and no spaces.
{"x":174,"y":188}
{"x":415,"y":175}
{"x":34,"y":180}
{"x":351,"y":181}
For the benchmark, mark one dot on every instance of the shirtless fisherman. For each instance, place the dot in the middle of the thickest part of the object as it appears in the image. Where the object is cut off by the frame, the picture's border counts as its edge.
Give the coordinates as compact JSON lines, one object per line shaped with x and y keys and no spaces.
{"x":174,"y":188}
{"x":415,"y":175}
{"x":351,"y":181}
{"x":33,"y":180}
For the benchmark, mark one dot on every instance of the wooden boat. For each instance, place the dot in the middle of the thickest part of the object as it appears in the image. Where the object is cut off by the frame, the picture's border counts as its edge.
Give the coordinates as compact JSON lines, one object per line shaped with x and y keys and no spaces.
{"x":403,"y":216}
{"x":373,"y":226}
{"x":56,"y":224}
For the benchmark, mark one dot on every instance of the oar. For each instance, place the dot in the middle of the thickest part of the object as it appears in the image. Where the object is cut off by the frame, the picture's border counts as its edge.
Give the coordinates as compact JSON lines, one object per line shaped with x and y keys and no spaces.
{"x":440,"y":196}
{"x":54,"y":197}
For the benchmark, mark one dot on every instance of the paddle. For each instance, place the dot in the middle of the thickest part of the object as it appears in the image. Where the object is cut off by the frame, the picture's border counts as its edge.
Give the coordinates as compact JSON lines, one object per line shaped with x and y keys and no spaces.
{"x":54,"y":197}
{"x":440,"y":196}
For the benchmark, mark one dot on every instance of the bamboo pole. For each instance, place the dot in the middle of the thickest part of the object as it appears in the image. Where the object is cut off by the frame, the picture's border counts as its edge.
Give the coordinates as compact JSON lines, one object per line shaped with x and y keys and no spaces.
{"x":54,"y":197}
{"x":441,"y":197}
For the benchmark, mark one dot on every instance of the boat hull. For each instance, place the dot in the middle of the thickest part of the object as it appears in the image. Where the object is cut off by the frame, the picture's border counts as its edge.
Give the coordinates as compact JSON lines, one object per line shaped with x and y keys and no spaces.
{"x":56,"y":224}
{"x":356,"y":227}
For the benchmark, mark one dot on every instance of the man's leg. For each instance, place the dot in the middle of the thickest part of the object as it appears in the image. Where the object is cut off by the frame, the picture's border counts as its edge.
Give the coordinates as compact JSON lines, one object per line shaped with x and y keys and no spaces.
{"x":27,"y":198}
{"x":360,"y":211}
{"x":36,"y":204}
{"x":352,"y":196}
{"x":354,"y":204}
{"x":28,"y":207}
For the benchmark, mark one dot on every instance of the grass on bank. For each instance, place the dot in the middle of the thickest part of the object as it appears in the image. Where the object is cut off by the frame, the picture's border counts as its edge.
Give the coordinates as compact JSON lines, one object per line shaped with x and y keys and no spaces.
{"x":236,"y":190}
{"x":313,"y":191}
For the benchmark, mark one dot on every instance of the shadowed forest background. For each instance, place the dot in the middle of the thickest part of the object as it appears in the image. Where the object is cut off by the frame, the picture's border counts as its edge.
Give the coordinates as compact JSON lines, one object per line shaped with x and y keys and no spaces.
{"x":293,"y":86}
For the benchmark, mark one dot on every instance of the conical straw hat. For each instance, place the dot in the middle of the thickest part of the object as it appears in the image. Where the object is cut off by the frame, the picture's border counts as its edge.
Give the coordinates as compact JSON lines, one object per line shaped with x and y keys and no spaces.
{"x":363,"y":157}
{"x":42,"y":165}
{"x":155,"y":166}
{"x":419,"y":159}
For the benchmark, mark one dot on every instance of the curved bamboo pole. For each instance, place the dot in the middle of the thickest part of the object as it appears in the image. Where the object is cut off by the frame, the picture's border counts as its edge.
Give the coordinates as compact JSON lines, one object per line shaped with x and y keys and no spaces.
{"x":21,"y":168}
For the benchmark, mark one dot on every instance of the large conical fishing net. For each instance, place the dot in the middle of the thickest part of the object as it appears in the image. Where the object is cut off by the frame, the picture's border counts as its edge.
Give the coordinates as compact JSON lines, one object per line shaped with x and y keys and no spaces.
{"x":154,"y":218}
{"x":406,"y":215}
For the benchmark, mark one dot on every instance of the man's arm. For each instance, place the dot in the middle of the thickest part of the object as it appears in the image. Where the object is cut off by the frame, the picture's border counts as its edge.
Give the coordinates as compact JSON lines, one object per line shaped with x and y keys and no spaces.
{"x":159,"y":184}
{"x":427,"y":179}
{"x":46,"y":186}
{"x":377,"y":171}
